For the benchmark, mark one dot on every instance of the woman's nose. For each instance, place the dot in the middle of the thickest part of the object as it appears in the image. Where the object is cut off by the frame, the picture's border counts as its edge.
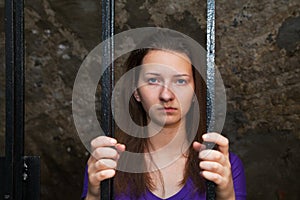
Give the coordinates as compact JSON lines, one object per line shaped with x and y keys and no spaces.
{"x":166,"y":94}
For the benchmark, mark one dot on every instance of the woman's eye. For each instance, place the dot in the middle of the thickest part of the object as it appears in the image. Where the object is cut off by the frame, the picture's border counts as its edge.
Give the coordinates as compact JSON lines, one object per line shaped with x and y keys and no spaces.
{"x":181,"y":81}
{"x":153,"y":81}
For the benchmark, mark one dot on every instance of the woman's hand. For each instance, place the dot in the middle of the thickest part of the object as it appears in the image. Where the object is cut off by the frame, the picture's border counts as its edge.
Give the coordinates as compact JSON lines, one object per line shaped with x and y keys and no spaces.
{"x":215,"y":164}
{"x":102,"y":163}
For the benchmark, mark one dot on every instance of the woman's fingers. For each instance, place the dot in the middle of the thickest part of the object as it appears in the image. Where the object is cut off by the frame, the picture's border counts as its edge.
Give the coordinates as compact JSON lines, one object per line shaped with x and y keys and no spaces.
{"x":103,"y":160}
{"x":100,"y":170}
{"x":99,"y":176}
{"x":212,"y":167}
{"x":198,"y":146}
{"x":120,"y":147}
{"x":106,"y":147}
{"x":218,"y":139}
{"x":212,"y":155}
{"x":103,"y":164}
{"x":215,"y":164}
{"x":105,"y":152}
{"x":102,"y":141}
{"x":216,"y":178}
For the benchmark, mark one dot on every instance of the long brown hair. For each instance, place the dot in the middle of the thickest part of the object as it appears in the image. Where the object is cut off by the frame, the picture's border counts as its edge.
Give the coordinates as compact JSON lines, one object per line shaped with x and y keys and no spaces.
{"x":135,"y":184}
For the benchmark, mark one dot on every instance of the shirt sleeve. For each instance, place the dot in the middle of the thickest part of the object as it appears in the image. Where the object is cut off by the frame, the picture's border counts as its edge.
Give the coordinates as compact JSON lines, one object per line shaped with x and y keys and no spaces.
{"x":85,"y":183}
{"x":238,"y":176}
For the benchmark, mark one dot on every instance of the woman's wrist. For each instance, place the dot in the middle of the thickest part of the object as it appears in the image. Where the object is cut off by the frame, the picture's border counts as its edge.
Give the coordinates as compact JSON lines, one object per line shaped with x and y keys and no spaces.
{"x":228,"y":196}
{"x":92,"y":197}
{"x":225,"y":194}
{"x":93,"y":193}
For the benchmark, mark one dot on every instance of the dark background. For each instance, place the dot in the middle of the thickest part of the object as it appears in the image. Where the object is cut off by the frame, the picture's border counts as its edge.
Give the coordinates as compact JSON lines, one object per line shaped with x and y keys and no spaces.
{"x":257,"y":52}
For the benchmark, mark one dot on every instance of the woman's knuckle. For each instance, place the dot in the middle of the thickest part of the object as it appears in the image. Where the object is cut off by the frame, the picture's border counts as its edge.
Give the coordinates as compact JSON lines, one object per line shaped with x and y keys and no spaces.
{"x":215,"y":167}
{"x":93,"y":143}
{"x":218,"y":156}
{"x":101,"y":176}
{"x":226,"y":141}
{"x":217,"y":178}
{"x":214,"y":177}
{"x":100,"y":164}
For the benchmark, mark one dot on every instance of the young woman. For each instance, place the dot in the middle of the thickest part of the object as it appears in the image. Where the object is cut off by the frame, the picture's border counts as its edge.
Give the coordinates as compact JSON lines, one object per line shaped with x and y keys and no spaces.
{"x":169,"y":94}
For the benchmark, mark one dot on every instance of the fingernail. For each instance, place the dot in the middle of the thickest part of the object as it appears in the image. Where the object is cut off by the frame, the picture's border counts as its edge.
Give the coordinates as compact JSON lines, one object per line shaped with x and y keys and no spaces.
{"x":205,"y":136}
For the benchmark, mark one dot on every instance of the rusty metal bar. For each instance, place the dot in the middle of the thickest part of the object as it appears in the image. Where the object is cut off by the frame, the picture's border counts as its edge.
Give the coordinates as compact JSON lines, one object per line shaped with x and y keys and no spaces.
{"x":210,"y":83}
{"x":107,"y":82}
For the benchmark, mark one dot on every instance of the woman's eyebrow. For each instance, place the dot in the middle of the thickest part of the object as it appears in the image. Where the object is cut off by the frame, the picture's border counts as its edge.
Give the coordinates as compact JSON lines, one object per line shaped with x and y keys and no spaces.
{"x":179,"y":75}
{"x":152,"y":73}
{"x":159,"y":74}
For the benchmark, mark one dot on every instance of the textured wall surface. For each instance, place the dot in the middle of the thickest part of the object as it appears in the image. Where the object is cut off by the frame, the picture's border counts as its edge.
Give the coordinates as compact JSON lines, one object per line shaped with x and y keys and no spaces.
{"x":257,"y":52}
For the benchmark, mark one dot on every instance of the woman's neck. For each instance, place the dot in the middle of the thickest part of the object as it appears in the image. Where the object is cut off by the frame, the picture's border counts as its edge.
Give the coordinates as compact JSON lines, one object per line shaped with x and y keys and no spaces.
{"x":166,"y":146}
{"x":162,"y":136}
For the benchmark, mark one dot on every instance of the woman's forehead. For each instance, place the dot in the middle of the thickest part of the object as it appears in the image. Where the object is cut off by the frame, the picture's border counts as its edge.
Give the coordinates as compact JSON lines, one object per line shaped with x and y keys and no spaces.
{"x":160,"y":54}
{"x":164,"y":61}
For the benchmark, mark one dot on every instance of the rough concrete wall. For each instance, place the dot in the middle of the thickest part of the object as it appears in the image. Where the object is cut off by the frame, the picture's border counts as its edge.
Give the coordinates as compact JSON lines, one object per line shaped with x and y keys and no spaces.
{"x":257,"y":52}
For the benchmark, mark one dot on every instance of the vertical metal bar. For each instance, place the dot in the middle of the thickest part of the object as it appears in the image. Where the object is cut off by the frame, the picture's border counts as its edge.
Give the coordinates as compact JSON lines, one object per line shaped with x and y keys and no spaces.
{"x":19,"y":100}
{"x":9,"y":99}
{"x":14,"y":50}
{"x":20,"y":174}
{"x":210,"y":82}
{"x":107,"y":122}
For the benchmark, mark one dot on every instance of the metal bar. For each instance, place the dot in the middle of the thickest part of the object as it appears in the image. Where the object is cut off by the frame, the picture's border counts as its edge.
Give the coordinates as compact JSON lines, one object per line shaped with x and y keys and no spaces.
{"x":9,"y":99}
{"x":19,"y":100}
{"x":14,"y":136}
{"x":107,"y":122}
{"x":210,"y":82}
{"x":19,"y":177}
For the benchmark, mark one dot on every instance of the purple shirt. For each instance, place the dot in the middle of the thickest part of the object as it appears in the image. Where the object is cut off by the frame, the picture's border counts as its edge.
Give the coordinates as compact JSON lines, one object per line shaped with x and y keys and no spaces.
{"x":238,"y":176}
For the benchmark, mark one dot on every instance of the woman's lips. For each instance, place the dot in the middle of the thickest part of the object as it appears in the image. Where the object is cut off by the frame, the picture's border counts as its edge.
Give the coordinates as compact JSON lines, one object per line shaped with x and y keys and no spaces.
{"x":168,"y":109}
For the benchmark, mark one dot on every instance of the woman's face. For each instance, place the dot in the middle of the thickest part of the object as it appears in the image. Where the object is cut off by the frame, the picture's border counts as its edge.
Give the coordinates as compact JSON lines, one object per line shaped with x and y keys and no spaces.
{"x":165,"y":86}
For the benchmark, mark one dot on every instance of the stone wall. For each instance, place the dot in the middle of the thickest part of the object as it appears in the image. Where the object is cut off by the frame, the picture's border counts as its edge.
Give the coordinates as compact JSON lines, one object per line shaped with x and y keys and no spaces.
{"x":257,"y":52}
